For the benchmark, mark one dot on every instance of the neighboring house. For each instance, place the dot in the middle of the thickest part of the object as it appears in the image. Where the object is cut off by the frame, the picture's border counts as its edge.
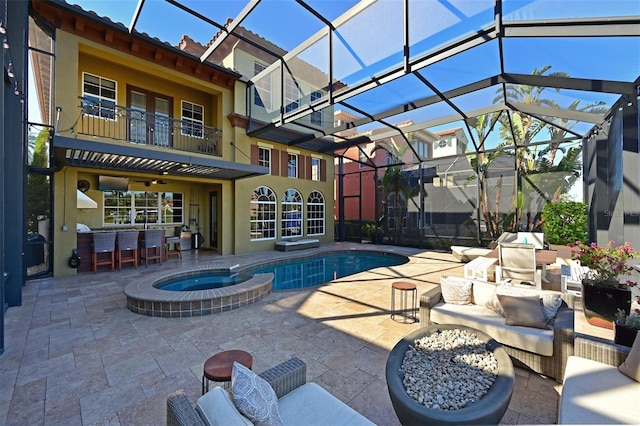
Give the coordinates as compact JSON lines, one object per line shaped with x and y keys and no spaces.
{"x":158,"y":139}
{"x":359,"y":177}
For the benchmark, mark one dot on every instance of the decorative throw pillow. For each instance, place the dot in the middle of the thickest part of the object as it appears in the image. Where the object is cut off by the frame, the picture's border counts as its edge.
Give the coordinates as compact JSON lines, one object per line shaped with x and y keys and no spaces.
{"x":525,"y":311}
{"x":494,"y":305}
{"x":631,"y":366}
{"x":550,"y":305}
{"x":456,"y":290}
{"x":254,"y":397}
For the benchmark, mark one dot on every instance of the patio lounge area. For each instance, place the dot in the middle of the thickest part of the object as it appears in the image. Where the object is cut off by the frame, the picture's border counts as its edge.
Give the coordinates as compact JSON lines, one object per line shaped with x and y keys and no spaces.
{"x":76,"y":355}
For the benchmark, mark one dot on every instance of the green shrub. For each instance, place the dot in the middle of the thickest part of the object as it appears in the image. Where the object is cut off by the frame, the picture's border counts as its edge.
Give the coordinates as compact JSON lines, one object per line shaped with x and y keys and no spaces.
{"x":565,"y":222}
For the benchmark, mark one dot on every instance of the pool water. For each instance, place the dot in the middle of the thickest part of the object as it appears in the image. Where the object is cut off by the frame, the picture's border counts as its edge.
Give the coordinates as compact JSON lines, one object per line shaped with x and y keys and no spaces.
{"x":320,"y":269}
{"x":204,"y":281}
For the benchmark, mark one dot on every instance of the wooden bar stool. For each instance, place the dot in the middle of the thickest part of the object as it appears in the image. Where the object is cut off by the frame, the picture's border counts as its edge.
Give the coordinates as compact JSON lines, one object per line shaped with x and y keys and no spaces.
{"x":103,"y":243}
{"x":127,"y":248}
{"x":176,"y":250}
{"x":405,"y":288}
{"x":151,"y":247}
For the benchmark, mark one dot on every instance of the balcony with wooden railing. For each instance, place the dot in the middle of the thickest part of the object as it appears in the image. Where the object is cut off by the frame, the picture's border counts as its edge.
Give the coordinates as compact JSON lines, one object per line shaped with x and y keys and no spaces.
{"x":106,"y":120}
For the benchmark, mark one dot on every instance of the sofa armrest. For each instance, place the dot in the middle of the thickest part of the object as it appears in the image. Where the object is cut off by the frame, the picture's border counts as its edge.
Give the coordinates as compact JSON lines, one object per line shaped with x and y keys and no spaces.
{"x":563,"y":339}
{"x":286,"y":376}
{"x":601,"y":350}
{"x":181,"y":412}
{"x":428,"y":299}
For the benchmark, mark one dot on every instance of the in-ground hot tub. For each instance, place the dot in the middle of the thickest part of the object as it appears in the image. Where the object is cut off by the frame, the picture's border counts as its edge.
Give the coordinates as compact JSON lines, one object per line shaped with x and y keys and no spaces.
{"x":144,"y":297}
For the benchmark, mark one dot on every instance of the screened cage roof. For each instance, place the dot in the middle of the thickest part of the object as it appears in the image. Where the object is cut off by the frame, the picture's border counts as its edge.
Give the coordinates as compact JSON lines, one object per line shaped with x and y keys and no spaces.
{"x":409,"y":65}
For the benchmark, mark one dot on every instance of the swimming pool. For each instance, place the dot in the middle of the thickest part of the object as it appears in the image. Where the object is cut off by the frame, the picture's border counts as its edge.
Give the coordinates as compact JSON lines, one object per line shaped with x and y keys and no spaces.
{"x":319,"y":269}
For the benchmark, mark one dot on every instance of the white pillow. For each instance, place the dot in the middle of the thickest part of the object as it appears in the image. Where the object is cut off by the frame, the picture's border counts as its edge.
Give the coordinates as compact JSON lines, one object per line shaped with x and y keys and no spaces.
{"x":254,"y":397}
{"x":456,"y":290}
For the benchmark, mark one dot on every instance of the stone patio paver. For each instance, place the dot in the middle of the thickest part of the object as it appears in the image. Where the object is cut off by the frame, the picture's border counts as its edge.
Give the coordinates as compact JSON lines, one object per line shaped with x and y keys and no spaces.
{"x":75,"y":355}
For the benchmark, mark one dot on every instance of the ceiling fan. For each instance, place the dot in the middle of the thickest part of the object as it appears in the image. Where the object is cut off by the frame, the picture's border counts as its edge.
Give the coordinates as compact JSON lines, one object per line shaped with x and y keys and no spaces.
{"x":152,"y":182}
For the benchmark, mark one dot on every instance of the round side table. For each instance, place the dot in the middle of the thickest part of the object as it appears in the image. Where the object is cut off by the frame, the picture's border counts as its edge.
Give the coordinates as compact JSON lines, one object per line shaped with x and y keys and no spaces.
{"x":404,"y":288}
{"x":218,"y":367}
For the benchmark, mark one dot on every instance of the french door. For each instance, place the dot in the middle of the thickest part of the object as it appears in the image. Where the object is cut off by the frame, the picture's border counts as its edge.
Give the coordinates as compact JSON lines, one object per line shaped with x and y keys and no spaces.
{"x":149,"y":117}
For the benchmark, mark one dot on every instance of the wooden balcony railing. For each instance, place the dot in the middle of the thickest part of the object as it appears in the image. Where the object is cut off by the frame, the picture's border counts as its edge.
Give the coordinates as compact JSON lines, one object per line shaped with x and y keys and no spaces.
{"x":107,"y":120}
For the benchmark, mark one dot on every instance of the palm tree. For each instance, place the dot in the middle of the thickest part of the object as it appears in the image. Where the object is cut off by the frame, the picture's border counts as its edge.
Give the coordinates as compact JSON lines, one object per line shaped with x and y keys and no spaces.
{"x":394,"y":187}
{"x":522,"y":129}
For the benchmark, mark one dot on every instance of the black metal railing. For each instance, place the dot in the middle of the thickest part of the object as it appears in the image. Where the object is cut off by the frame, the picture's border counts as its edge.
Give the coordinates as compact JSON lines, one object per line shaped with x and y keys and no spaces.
{"x":108,"y":120}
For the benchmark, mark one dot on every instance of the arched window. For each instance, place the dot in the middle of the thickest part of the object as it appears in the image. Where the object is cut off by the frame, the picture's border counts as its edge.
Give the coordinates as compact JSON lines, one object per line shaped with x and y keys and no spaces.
{"x":291,"y":224}
{"x":315,"y":213}
{"x":263,"y":214}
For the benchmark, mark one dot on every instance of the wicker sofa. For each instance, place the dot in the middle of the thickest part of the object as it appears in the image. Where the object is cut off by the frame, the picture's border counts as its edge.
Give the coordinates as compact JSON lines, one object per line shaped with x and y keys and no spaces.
{"x":299,"y":403}
{"x":543,"y":351}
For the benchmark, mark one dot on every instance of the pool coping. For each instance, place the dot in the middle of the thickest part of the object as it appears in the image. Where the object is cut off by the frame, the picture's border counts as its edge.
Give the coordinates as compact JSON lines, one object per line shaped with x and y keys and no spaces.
{"x":143,"y":298}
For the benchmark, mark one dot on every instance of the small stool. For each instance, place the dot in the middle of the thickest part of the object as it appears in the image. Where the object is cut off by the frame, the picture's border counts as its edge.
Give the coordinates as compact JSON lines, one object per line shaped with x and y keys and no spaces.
{"x":177,"y":250}
{"x":218,"y":368}
{"x":404,"y":288}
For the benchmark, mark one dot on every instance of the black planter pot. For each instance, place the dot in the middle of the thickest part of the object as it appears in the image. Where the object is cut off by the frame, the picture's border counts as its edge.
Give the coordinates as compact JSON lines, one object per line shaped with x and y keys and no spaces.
{"x":488,"y":410}
{"x":600,"y":304}
{"x":624,"y":335}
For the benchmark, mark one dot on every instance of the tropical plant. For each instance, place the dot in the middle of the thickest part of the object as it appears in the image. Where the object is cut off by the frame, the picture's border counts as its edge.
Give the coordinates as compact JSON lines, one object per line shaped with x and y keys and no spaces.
{"x":519,"y":131}
{"x":565,"y":222}
{"x":38,"y":184}
{"x":395,"y":189}
{"x":632,"y":320}
{"x":606,"y":263}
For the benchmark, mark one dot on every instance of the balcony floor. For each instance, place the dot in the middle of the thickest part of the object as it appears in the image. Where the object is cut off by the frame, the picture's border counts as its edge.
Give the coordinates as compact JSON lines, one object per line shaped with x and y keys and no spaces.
{"x":75,"y":355}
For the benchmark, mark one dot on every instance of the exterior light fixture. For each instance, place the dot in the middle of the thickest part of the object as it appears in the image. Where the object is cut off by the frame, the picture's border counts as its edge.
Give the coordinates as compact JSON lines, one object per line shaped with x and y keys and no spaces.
{"x":3,"y":29}
{"x":5,"y":43}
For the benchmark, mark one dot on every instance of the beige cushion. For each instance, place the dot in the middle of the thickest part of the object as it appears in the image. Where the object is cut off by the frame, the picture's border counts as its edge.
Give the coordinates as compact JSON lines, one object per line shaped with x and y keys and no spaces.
{"x":310,"y":404}
{"x":456,"y":290}
{"x":483,"y":292}
{"x":597,"y":393}
{"x":631,"y":365}
{"x":218,"y":409}
{"x":523,"y":310}
{"x":530,"y":339}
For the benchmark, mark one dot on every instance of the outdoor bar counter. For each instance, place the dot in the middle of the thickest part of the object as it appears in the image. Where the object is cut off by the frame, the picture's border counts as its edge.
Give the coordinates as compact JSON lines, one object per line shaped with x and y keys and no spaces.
{"x":85,"y":241}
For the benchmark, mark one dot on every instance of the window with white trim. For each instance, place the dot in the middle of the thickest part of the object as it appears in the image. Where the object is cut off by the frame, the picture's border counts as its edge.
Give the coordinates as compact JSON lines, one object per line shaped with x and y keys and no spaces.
{"x":315,"y":213}
{"x":264,"y":157}
{"x":98,"y":96}
{"x":192,"y":120}
{"x":291,"y":220}
{"x":315,"y":169}
{"x":262,"y":210}
{"x":291,"y":95}
{"x":316,"y":116}
{"x":363,"y":157}
{"x":262,"y":87}
{"x":142,"y":207}
{"x":292,"y":165}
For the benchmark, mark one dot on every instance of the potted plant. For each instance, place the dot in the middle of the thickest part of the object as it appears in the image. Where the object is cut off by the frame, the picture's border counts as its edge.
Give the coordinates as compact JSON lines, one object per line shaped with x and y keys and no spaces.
{"x":603,"y":292}
{"x":626,"y":326}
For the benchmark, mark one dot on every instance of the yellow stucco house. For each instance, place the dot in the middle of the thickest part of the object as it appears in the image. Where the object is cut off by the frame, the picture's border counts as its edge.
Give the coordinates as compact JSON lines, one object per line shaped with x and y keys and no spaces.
{"x":158,"y":138}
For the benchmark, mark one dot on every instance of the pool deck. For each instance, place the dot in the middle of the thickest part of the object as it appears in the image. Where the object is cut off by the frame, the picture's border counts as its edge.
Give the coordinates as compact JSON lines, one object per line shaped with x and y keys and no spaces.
{"x":74,"y":354}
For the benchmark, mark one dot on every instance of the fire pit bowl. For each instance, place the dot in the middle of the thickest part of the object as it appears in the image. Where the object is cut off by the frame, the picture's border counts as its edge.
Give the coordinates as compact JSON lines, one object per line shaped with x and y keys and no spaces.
{"x":488,"y":410}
